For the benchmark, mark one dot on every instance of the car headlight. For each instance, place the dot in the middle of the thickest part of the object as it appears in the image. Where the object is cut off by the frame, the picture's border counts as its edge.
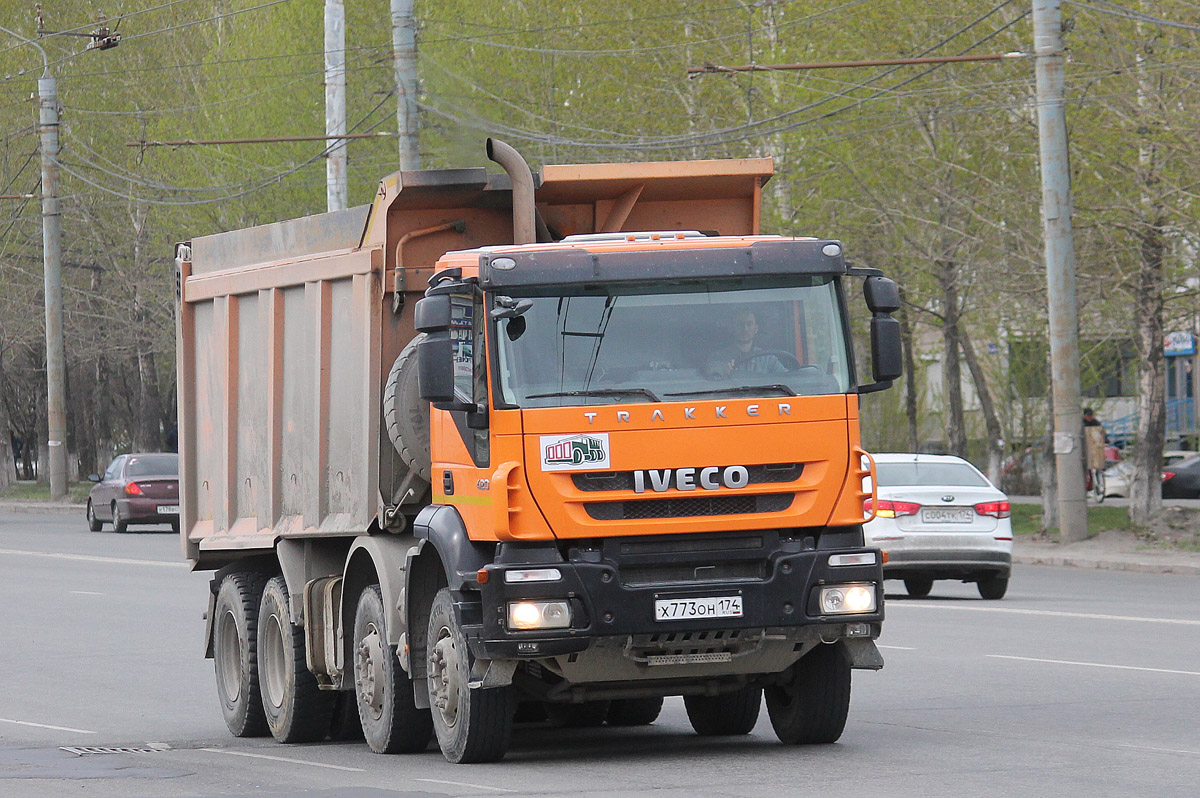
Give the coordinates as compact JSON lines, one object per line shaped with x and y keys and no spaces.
{"x":539,"y":615}
{"x":846,"y":599}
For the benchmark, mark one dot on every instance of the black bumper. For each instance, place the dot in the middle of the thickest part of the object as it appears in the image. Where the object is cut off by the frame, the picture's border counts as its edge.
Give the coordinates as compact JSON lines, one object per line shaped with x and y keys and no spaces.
{"x":611,"y":595}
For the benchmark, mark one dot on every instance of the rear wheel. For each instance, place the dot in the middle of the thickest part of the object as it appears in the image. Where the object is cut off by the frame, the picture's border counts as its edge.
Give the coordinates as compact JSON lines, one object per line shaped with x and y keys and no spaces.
{"x":235,"y":653}
{"x":94,"y":523}
{"x":918,"y":587}
{"x":634,"y":711}
{"x":391,"y":721}
{"x":577,"y":716}
{"x":120,"y":522}
{"x":993,"y":587}
{"x":471,"y":725}
{"x":812,"y":705}
{"x":732,"y":713}
{"x":297,"y":710}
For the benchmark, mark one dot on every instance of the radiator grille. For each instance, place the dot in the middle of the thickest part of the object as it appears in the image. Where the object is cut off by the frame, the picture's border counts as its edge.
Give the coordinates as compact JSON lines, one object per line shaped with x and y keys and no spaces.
{"x":691,"y":507}
{"x":623,"y":480}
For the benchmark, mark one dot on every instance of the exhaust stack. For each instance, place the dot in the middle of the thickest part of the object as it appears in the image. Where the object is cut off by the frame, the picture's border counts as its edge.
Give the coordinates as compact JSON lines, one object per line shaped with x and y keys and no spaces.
{"x":524,"y":212}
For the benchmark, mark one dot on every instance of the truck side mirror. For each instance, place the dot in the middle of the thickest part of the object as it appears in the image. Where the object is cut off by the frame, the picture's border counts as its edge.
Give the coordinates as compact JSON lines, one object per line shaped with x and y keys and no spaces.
{"x":887,"y":351}
{"x":435,"y":354}
{"x":882,"y":294}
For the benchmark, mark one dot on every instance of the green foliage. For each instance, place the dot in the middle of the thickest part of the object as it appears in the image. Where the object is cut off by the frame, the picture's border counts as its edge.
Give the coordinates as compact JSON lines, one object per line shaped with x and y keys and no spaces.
{"x":1027,"y":518}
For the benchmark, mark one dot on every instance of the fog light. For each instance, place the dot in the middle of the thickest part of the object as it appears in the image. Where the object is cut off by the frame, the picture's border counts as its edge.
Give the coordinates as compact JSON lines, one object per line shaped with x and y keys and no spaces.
{"x":539,"y":615}
{"x":533,"y":575}
{"x":843,"y":599}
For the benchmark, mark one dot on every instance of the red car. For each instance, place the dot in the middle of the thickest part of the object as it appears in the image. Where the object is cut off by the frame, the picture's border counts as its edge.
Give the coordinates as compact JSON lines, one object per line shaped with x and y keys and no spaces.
{"x":136,"y":489}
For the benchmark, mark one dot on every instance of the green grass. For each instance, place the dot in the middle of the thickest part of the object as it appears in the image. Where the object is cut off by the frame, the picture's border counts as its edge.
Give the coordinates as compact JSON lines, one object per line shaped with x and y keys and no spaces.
{"x":1027,"y":518}
{"x":77,"y":492}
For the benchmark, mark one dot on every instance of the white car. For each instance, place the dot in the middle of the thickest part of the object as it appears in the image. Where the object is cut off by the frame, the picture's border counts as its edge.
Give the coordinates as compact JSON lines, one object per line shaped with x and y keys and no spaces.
{"x":1118,"y":476}
{"x":938,"y":517}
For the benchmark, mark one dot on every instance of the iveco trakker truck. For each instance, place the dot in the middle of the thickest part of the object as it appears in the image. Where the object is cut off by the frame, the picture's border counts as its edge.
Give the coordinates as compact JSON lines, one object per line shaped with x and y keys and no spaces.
{"x":538,"y":445}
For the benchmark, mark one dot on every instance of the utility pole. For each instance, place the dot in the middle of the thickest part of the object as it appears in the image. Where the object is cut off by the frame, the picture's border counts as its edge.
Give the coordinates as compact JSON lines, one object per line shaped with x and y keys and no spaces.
{"x":336,"y":178}
{"x":404,"y":51}
{"x":1060,"y":268}
{"x":56,"y":401}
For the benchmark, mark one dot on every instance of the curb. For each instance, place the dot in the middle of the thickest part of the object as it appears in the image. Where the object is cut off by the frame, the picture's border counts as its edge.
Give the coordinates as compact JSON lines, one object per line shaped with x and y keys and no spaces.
{"x":42,"y":507}
{"x":1102,"y":563}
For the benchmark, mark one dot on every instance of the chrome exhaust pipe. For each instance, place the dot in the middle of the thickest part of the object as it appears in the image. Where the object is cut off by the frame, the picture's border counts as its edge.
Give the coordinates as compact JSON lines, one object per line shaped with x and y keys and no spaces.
{"x":524,"y":211}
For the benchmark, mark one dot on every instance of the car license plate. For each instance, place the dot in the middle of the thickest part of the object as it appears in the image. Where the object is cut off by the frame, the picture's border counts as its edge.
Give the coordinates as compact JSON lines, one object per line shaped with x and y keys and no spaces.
{"x":947,"y":515}
{"x":690,"y":608}
{"x":168,"y":509}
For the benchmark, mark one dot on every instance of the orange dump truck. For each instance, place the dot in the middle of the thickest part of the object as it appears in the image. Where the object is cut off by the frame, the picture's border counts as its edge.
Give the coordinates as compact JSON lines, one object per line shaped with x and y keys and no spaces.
{"x":550,"y":445}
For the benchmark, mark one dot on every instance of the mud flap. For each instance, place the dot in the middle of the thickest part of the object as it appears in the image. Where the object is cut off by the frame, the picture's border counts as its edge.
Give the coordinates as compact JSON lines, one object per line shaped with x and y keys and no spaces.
{"x":863,"y":654}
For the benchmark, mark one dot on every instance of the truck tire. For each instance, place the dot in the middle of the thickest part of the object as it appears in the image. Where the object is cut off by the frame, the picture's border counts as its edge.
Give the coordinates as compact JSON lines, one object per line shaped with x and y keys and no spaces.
{"x":405,"y":414}
{"x":634,"y":711}
{"x":918,"y":587}
{"x":391,"y":722}
{"x":732,"y":713}
{"x":587,"y":715}
{"x":345,"y":726}
{"x":296,"y":709}
{"x":812,"y":706}
{"x":993,"y":587}
{"x":235,"y":653}
{"x":471,"y":725}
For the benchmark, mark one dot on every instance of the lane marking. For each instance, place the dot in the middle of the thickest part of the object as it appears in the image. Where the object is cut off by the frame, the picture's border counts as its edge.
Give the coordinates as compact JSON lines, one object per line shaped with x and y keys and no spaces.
{"x":896,"y":648}
{"x":465,"y":784}
{"x":95,"y":558}
{"x":282,"y":759}
{"x":86,"y":593}
{"x":1094,"y":665}
{"x":45,"y":726}
{"x":1050,"y":613}
{"x":1160,"y":750}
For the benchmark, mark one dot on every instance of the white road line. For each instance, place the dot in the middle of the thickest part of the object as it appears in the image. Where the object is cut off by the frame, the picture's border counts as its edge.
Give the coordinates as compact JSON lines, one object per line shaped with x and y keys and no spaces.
{"x":465,"y":784}
{"x":93,"y":558}
{"x":1161,"y":750}
{"x":45,"y":726}
{"x":1094,"y":665}
{"x":282,"y":759}
{"x":86,"y":593}
{"x":1050,"y":613}
{"x":896,"y":648}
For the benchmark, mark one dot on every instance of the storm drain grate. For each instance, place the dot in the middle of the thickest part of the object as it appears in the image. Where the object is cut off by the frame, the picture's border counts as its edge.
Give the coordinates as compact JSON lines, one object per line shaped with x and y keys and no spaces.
{"x":90,"y":750}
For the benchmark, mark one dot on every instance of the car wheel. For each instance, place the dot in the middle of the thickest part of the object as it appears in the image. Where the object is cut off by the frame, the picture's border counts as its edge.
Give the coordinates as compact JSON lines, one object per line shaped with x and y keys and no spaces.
{"x":993,"y":587}
{"x":732,"y":713}
{"x":918,"y":587}
{"x":120,"y":522}
{"x":94,"y":523}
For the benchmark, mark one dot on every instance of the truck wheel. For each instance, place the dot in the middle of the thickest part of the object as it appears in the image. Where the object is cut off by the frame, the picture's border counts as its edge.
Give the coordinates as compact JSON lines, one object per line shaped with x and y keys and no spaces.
{"x":235,"y":653}
{"x":391,"y":721}
{"x":993,"y":587}
{"x":471,"y":725}
{"x":634,"y":711}
{"x":405,"y":414}
{"x":345,"y":726}
{"x":120,"y":524}
{"x":732,"y":713}
{"x":94,"y":523}
{"x":297,"y":710}
{"x":918,"y":587}
{"x":587,"y":715}
{"x":812,"y":706}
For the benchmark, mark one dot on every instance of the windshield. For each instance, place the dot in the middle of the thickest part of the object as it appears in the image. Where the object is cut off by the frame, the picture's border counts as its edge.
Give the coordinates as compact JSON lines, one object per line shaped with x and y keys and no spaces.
{"x":670,"y":343}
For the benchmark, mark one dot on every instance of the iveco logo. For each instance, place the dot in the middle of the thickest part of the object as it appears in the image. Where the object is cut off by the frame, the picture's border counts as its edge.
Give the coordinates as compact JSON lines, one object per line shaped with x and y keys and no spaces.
{"x":711,"y":478}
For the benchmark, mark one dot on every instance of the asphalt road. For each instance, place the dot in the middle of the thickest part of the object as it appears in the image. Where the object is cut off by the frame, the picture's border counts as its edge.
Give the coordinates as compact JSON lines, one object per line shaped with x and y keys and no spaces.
{"x":1078,"y":683}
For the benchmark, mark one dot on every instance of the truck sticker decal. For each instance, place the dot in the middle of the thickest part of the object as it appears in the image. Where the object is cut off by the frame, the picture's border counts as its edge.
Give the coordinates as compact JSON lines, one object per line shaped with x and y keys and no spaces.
{"x":574,"y":452}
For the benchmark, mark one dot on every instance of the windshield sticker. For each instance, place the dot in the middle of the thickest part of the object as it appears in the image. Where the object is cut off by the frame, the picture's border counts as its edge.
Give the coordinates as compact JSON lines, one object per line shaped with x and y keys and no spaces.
{"x":574,"y":452}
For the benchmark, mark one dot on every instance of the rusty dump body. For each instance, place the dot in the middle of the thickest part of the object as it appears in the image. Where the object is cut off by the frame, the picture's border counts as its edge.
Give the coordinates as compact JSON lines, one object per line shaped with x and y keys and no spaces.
{"x":600,"y":446}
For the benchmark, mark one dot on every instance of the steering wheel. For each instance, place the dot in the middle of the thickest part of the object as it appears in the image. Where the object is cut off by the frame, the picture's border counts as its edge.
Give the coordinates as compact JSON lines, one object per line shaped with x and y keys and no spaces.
{"x":786,"y":359}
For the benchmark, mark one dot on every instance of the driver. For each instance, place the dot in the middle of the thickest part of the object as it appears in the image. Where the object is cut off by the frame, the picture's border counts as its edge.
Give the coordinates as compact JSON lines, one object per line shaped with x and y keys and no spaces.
{"x":740,"y":354}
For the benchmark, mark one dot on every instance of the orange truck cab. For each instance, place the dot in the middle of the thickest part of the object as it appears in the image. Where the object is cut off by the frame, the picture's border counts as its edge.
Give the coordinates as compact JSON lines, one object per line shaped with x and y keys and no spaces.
{"x":629,"y":468}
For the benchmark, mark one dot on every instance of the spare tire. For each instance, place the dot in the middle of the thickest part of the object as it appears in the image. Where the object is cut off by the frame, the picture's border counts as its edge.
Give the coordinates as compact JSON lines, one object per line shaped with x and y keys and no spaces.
{"x":405,"y":414}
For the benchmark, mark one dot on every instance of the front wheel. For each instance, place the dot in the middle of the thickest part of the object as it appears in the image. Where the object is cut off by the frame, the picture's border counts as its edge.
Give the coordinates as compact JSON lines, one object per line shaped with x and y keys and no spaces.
{"x":471,"y":725}
{"x":728,"y":714}
{"x":634,"y":711}
{"x":812,"y":705}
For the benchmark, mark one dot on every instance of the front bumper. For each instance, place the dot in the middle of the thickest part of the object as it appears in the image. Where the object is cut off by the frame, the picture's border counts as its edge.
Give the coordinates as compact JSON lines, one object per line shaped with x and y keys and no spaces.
{"x":612,"y":589}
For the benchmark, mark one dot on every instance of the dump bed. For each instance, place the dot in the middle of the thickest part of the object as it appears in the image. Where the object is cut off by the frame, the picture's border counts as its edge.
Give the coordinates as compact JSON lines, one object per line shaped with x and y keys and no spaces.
{"x":287,"y":332}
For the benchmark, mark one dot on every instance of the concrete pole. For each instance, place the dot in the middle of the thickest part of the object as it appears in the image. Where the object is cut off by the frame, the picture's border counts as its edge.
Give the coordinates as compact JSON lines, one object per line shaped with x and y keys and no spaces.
{"x":1060,"y":269}
{"x":404,"y":51}
{"x":336,"y":181}
{"x":56,"y":394}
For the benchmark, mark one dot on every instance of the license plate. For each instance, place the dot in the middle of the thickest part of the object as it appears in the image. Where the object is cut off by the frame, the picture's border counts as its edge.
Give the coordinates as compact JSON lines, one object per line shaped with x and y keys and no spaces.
{"x":168,"y":509}
{"x":947,"y":515}
{"x":692,"y":608}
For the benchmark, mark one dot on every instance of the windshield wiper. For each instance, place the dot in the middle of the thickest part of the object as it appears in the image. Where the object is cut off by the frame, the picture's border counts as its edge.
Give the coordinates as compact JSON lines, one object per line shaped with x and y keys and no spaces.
{"x":740,"y":389}
{"x":599,"y":392}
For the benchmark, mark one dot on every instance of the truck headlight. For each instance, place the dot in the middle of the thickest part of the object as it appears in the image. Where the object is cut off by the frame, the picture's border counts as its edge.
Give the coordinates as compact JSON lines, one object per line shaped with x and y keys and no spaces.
{"x":844,"y":599}
{"x":539,"y":615}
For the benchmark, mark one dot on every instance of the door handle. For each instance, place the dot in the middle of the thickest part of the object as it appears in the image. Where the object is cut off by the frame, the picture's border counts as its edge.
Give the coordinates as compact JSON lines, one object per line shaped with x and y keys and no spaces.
{"x":448,"y":482}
